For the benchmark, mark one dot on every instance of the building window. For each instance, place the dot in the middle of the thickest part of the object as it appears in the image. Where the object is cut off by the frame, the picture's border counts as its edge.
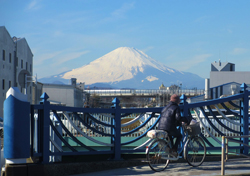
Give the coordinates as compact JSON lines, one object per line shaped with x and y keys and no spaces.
{"x":9,"y":84}
{"x":3,"y":84}
{"x":30,"y":68}
{"x":26,"y":65}
{"x":10,"y":57}
{"x":16,"y":61}
{"x":21,"y":63}
{"x":3,"y":54}
{"x":231,"y":67}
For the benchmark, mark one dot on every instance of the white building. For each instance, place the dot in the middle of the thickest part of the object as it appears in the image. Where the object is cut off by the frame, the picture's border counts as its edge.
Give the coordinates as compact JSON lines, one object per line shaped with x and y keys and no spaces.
{"x":224,"y":80}
{"x":67,"y":95}
{"x":16,"y":60}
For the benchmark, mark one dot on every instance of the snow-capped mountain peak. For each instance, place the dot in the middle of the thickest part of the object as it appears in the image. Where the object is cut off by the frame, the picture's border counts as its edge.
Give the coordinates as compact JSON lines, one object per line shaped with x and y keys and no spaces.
{"x":120,"y":64}
{"x":127,"y":67}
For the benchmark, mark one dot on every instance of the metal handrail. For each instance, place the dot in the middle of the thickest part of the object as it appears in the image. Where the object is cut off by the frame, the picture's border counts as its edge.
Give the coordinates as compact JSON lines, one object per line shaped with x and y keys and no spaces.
{"x":224,"y":150}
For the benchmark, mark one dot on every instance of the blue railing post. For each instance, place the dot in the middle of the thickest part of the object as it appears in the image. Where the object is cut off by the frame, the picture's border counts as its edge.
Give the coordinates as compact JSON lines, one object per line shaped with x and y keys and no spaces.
{"x":184,"y":111}
{"x":45,"y":128}
{"x":244,"y":113}
{"x":184,"y":103}
{"x":117,"y":142}
{"x":16,"y":127}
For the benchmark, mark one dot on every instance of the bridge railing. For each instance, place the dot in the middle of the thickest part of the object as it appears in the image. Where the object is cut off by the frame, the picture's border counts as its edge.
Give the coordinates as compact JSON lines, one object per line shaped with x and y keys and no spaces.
{"x":228,"y":115}
{"x":62,"y":131}
{"x":225,"y":151}
{"x":124,"y":92}
{"x":84,"y":130}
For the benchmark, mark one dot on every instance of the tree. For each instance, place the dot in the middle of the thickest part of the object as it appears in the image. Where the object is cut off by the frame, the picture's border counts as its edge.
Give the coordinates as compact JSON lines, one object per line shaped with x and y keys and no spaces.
{"x":174,"y":87}
{"x":94,"y":101}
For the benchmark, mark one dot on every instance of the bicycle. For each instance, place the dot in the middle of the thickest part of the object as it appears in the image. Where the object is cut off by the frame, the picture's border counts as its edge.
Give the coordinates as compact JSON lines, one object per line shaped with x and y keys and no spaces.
{"x":158,"y":153}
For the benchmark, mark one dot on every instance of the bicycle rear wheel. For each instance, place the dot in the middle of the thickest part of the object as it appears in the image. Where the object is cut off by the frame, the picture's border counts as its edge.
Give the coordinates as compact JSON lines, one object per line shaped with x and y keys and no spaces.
{"x":195,"y":151}
{"x":155,"y":155}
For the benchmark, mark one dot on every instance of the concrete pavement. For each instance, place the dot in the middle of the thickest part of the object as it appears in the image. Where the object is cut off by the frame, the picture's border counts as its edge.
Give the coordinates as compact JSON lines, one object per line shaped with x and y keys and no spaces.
{"x":232,"y":167}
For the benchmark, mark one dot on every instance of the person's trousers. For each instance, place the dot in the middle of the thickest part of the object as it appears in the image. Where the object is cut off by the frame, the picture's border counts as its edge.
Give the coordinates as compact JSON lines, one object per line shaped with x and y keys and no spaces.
{"x":175,"y":134}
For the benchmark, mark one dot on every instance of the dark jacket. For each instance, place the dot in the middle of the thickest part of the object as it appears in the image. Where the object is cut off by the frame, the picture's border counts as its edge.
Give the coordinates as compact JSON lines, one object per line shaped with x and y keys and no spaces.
{"x":171,"y":117}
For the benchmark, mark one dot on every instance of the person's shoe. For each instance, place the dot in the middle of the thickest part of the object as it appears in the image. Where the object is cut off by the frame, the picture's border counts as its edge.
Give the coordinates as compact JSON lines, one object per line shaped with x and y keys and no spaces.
{"x":175,"y":154}
{"x":167,"y":150}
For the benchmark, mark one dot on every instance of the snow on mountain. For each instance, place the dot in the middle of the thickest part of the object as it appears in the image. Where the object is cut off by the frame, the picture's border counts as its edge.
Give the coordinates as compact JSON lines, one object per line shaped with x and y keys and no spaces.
{"x":121,"y":64}
{"x":127,"y":67}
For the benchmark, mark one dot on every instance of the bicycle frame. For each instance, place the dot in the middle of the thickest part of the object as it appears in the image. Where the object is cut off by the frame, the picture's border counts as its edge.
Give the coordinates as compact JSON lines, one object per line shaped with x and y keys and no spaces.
{"x":183,"y":145}
{"x":184,"y":142}
{"x":161,"y":145}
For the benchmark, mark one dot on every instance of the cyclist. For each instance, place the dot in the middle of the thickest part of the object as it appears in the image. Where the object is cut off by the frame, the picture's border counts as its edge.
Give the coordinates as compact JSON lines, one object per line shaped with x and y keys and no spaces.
{"x":170,"y":119}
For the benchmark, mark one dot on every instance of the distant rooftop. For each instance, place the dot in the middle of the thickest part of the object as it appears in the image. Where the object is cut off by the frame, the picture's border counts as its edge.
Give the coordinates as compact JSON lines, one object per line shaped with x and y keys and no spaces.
{"x":222,"y":66}
{"x":16,"y":38}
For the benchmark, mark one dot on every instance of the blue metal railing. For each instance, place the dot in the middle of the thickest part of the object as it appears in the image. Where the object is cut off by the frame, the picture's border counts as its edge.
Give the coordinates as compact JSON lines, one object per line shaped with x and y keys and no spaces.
{"x":87,"y":131}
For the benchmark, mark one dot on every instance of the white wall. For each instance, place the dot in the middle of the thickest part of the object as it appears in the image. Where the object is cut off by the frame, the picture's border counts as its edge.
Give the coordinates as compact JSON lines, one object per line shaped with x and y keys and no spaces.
{"x":219,"y":78}
{"x":65,"y":94}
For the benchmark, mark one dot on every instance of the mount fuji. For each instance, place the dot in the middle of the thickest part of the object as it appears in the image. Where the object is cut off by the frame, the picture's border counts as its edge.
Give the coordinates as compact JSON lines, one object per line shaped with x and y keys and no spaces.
{"x":127,"y":67}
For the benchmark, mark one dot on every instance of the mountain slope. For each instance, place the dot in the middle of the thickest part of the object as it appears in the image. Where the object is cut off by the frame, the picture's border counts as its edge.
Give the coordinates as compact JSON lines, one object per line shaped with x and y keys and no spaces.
{"x":121,"y":64}
{"x":130,"y":68}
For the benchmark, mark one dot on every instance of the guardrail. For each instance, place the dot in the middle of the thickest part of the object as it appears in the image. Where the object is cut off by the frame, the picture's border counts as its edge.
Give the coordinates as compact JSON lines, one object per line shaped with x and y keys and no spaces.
{"x":225,"y":151}
{"x":81,"y":129}
{"x":129,"y":92}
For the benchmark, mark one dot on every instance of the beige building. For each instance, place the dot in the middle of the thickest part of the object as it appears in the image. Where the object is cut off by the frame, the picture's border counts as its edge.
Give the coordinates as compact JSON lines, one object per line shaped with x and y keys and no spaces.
{"x":16,"y":70}
{"x":16,"y":61}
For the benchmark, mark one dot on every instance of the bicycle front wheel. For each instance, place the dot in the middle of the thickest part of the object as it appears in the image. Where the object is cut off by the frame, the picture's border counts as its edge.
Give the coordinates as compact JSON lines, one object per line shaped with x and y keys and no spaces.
{"x":195,"y":151}
{"x":155,"y":155}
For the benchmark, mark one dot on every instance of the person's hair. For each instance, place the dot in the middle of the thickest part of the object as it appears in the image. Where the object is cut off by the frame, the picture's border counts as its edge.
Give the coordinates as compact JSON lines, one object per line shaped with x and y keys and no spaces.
{"x":175,"y":98}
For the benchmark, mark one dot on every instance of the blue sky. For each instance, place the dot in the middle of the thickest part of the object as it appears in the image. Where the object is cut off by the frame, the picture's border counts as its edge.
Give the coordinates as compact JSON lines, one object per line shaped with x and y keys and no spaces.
{"x":186,"y":35}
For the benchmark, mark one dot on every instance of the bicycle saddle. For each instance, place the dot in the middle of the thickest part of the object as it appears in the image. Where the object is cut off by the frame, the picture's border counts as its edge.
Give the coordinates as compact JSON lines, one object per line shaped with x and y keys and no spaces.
{"x":157,"y":134}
